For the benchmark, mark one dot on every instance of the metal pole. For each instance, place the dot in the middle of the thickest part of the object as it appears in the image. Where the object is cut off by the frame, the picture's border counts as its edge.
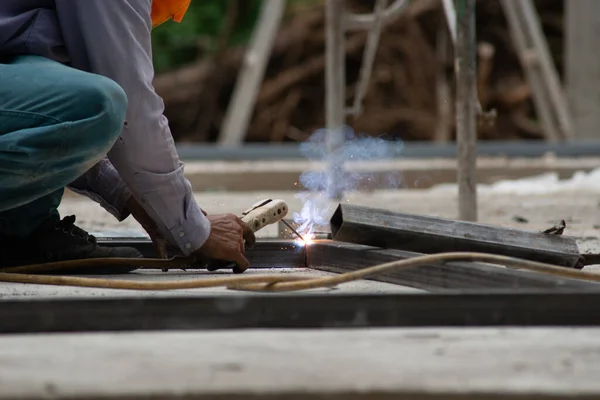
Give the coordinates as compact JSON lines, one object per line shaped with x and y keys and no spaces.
{"x":466,"y":111}
{"x":241,"y":106}
{"x":336,"y":95}
{"x":368,"y":58}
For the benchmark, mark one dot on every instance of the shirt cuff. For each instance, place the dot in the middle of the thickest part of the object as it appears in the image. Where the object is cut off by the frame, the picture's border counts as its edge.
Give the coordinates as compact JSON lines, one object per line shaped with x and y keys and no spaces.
{"x":103,"y":184}
{"x":191,"y":233}
{"x":169,"y":200}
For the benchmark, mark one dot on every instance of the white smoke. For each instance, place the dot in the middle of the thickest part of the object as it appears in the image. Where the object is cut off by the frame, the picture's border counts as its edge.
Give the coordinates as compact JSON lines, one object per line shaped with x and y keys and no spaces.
{"x":317,"y":206}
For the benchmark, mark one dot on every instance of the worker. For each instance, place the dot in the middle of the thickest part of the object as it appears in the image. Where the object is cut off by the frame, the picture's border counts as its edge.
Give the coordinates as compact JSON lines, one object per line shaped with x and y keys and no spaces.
{"x":78,"y":110}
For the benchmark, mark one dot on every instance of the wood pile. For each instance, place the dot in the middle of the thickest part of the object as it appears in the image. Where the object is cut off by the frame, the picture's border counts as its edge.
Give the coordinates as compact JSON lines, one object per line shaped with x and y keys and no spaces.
{"x":405,"y":99}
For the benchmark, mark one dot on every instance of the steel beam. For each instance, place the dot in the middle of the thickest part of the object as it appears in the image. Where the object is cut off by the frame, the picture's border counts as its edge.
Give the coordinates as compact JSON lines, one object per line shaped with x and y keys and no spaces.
{"x":301,"y":311}
{"x":265,"y":254}
{"x":425,"y":234}
{"x":339,"y":257}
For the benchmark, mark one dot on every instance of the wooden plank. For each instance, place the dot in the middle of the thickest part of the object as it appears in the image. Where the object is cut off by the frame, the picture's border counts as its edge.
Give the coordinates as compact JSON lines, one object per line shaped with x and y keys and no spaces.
{"x":582,"y":65}
{"x":320,"y":364}
{"x":284,"y":311}
{"x":339,"y":257}
{"x":466,"y":111}
{"x":425,"y":234}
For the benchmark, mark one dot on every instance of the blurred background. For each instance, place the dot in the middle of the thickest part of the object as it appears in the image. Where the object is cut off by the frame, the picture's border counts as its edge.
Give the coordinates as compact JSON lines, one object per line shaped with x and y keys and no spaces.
{"x":198,"y":62}
{"x":537,"y":68}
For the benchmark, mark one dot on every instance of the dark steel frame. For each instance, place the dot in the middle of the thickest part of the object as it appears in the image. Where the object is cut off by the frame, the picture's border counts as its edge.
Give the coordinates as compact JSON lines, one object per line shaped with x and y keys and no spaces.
{"x":301,"y":312}
{"x":460,"y":294}
{"x":265,"y":254}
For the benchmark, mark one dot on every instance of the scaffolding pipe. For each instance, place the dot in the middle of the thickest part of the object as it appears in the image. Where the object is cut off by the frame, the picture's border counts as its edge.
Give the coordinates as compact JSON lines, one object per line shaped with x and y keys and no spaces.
{"x":466,"y":110}
{"x":336,"y":95}
{"x":362,"y":22}
{"x":368,"y":58}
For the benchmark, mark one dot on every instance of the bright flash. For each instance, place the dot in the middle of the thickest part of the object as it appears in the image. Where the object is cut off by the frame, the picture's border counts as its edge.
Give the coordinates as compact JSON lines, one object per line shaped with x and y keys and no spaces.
{"x":307,"y":239}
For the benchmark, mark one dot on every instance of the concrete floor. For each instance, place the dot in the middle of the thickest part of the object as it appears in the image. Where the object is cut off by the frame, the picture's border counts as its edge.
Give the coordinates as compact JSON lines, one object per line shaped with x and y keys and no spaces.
{"x":280,"y":364}
{"x":373,"y":364}
{"x":18,"y":290}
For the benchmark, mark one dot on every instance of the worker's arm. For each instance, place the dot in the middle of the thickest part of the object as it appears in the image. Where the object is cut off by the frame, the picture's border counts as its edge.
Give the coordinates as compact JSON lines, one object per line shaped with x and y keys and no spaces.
{"x":113,"y":38}
{"x":103,"y":184}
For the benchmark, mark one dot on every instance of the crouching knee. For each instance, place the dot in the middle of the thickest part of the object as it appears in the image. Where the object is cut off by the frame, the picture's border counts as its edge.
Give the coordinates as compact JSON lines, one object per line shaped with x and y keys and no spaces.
{"x":103,"y":108}
{"x":110,"y":102}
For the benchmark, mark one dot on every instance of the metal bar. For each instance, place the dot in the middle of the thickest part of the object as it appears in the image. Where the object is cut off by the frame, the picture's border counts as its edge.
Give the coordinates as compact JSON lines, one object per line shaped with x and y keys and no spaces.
{"x":529,"y":61}
{"x":368,"y":58}
{"x":425,"y":234}
{"x":443,"y":92}
{"x":336,"y":94}
{"x":535,"y":308}
{"x":547,"y":67}
{"x":336,"y":257}
{"x":251,"y":76}
{"x":450,"y":13}
{"x":265,"y":254}
{"x":466,"y":111}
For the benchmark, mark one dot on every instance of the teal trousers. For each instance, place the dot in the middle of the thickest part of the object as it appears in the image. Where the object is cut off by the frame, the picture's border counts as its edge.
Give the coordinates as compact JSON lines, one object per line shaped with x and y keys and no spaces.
{"x":56,"y":122}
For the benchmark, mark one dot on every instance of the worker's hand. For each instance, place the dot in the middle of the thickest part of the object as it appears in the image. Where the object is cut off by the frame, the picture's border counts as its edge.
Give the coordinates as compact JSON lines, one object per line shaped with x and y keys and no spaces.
{"x":141,"y":216}
{"x":228,"y":237}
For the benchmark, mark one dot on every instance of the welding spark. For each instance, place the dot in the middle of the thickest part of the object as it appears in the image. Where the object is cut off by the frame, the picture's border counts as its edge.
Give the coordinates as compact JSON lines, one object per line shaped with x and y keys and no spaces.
{"x":306,"y":240}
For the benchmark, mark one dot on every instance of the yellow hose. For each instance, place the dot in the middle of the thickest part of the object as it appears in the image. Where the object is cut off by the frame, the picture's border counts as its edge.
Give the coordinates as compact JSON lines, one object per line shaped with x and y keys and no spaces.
{"x":268,"y":283}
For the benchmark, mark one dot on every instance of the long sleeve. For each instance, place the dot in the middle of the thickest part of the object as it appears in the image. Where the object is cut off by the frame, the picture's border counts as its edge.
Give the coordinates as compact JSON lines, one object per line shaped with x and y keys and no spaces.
{"x":113,"y":39}
{"x":103,"y":184}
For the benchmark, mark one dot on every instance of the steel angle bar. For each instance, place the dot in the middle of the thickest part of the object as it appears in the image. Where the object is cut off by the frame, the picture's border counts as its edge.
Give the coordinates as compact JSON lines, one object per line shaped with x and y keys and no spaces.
{"x":535,"y":308}
{"x":331,"y":256}
{"x":426,"y":234}
{"x":265,"y":254}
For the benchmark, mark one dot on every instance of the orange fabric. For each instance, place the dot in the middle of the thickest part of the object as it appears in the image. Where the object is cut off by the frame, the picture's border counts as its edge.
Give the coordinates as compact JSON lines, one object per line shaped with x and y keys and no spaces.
{"x":165,"y":10}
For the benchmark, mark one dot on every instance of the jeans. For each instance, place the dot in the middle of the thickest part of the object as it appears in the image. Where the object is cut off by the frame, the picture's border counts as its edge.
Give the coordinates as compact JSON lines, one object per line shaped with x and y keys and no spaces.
{"x":56,"y":122}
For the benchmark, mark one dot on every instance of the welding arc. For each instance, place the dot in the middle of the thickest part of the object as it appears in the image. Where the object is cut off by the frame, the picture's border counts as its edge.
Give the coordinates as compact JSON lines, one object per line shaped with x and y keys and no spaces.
{"x":286,"y":283}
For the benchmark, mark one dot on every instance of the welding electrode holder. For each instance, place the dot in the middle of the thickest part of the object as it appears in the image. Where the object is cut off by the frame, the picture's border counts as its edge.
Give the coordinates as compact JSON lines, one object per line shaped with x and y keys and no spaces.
{"x":261,"y":214}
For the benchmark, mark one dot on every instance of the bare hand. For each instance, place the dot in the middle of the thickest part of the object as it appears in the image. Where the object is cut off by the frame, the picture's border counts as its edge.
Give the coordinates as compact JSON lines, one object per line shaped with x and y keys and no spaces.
{"x":228,"y":237}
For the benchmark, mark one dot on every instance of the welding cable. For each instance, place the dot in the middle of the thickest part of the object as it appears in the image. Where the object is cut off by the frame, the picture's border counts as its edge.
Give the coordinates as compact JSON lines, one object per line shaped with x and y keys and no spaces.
{"x":278,"y":283}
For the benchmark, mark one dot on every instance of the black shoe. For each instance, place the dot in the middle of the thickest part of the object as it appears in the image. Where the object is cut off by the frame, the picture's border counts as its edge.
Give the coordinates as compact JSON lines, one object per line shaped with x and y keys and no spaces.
{"x":60,"y":240}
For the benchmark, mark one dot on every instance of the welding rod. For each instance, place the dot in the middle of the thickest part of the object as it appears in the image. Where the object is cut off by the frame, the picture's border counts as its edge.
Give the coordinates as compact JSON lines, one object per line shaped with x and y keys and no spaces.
{"x":292,"y":229}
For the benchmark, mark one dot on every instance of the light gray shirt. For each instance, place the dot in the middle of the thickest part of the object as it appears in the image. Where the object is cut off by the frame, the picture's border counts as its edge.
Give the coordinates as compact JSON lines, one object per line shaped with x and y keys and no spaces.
{"x":113,"y":38}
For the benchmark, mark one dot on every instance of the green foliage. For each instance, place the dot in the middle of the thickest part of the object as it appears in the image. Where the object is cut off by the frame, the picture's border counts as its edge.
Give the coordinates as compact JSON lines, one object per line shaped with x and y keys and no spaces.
{"x":175,"y":44}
